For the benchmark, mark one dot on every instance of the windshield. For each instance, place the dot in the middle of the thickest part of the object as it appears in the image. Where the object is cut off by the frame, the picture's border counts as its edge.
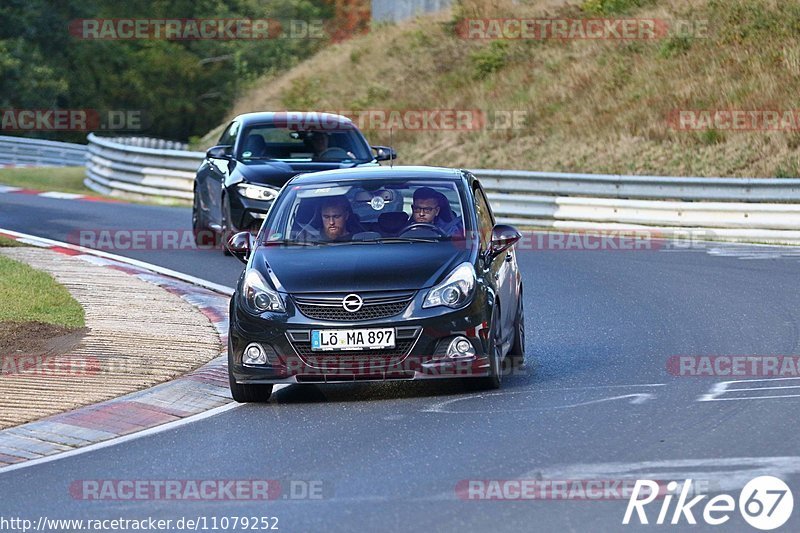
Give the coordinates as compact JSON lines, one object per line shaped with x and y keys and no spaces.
{"x":368,"y":211}
{"x":265,"y":142}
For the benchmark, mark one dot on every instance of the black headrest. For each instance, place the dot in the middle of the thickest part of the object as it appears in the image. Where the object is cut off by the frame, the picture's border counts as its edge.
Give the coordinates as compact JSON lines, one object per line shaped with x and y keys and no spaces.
{"x":445,"y":211}
{"x":255,"y":144}
{"x":305,"y":211}
{"x":393,"y":221}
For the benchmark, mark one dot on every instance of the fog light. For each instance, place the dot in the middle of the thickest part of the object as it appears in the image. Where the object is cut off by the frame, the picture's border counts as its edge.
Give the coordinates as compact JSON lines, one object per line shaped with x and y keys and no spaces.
{"x":460,"y":347}
{"x":254,"y":355}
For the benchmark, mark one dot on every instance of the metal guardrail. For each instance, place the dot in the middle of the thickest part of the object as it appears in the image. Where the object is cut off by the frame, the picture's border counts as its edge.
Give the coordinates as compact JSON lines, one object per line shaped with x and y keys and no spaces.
{"x":642,"y":187}
{"x":764,"y":210}
{"x":119,"y":167}
{"x":26,"y":151}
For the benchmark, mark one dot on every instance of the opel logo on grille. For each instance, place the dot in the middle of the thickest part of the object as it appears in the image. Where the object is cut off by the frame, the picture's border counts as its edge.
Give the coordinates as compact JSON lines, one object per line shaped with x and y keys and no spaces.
{"x":352,"y":303}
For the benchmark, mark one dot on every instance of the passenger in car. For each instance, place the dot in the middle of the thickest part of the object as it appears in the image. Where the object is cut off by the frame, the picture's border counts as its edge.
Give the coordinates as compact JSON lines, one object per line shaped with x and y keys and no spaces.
{"x":335,"y":212}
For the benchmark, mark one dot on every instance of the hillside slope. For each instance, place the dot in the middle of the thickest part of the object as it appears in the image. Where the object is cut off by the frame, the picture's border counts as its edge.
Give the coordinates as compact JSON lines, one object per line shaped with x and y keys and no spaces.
{"x":604,"y":106}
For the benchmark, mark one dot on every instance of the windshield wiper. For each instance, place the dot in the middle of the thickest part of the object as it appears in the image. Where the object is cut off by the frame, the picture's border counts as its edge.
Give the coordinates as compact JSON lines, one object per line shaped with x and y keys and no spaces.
{"x":286,"y":242}
{"x":405,"y":239}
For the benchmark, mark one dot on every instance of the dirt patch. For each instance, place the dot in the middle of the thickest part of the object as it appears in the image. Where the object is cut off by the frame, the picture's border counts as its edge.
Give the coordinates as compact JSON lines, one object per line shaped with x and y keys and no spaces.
{"x":38,"y":338}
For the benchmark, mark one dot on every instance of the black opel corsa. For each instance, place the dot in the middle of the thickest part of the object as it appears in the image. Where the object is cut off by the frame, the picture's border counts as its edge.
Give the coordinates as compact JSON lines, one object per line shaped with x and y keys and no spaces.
{"x":373,"y":274}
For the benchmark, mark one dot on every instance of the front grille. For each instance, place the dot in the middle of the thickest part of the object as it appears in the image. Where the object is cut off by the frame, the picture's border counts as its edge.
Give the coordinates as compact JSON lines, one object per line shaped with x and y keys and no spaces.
{"x":376,"y":306}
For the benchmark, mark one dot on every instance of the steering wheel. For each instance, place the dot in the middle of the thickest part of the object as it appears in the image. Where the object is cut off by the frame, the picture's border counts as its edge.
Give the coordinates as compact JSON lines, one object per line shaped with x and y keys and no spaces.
{"x":423,"y":225}
{"x":333,"y":153}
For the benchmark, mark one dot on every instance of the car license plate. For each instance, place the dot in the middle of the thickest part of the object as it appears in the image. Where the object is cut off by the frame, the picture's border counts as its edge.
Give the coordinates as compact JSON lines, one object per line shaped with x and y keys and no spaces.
{"x":352,"y":339}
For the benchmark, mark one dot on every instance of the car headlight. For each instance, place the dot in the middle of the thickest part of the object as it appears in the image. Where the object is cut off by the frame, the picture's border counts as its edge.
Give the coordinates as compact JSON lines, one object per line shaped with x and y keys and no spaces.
{"x":257,"y":192}
{"x":258,"y":296}
{"x":454,"y":291}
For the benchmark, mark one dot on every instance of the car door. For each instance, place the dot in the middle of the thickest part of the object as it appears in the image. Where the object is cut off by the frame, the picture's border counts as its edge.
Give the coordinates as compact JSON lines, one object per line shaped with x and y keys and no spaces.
{"x":501,"y":269}
{"x":216,"y":170}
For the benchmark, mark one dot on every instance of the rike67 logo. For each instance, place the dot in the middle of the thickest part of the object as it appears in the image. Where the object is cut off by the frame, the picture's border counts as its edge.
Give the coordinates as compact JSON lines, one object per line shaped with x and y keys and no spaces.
{"x":765,"y":503}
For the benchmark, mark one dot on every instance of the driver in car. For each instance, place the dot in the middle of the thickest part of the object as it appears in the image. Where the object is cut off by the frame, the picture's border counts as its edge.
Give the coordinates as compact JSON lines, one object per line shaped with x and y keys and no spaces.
{"x":335,"y":211}
{"x":323,"y":151}
{"x":426,"y":209}
{"x":425,"y":206}
{"x":319,"y":143}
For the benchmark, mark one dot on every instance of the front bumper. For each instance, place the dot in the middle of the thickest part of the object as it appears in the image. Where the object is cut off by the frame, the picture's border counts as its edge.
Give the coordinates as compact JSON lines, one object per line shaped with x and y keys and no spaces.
{"x":422,"y":336}
{"x":245,"y":212}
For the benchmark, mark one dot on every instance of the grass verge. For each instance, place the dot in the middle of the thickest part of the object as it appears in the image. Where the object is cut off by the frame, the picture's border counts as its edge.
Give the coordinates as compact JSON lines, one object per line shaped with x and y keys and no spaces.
{"x":5,"y":242}
{"x":29,"y":295}
{"x":61,"y":179}
{"x":68,"y":179}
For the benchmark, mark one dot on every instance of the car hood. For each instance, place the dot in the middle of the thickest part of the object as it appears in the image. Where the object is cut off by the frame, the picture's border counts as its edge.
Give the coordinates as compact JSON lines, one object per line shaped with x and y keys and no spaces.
{"x":276,"y":173}
{"x":360,"y":267}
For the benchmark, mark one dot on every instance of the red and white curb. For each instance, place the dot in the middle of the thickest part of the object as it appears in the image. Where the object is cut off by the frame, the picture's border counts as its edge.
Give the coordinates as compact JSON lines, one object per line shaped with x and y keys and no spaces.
{"x":5,"y":189}
{"x":200,"y":391}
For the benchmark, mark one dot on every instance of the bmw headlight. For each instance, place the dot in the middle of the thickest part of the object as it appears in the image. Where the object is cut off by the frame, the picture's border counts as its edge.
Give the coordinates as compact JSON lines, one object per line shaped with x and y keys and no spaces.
{"x":454,"y":291}
{"x":257,"y":192}
{"x":258,"y":296}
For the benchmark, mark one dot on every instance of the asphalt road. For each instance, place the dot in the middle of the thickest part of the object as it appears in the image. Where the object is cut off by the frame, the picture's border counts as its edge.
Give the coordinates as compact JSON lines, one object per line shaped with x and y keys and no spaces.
{"x":595,"y":401}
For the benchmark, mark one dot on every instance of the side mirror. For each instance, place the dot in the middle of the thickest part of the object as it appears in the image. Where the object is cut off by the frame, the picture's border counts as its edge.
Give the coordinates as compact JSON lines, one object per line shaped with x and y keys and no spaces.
{"x":384,"y":153}
{"x":223,"y":151}
{"x":503,"y":238}
{"x":240,"y":245}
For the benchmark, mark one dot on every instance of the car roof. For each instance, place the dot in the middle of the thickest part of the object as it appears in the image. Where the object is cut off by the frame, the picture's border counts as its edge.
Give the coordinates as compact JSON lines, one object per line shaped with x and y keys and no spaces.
{"x":377,"y":172}
{"x":306,"y":119}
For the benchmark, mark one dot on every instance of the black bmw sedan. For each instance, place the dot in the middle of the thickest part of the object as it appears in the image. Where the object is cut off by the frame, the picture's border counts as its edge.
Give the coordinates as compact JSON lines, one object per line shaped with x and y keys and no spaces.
{"x":258,"y":153}
{"x":376,"y":274}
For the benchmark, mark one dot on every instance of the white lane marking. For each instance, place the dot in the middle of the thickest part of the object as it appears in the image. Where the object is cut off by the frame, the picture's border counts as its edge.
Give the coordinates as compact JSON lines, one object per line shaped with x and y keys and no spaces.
{"x":133,"y":436}
{"x":43,"y":242}
{"x":6,"y":188}
{"x":636,"y":399}
{"x":767,"y":388}
{"x":718,"y":389}
{"x":61,"y":195}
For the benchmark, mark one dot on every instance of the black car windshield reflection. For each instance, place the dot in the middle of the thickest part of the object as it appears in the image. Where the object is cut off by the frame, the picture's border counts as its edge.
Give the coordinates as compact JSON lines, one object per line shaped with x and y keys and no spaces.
{"x":367,"y":212}
{"x":270,"y":142}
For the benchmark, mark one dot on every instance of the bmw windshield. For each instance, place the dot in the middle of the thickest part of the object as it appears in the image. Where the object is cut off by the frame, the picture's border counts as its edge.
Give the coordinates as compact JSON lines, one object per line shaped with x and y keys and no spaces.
{"x":367,"y":211}
{"x":270,"y":142}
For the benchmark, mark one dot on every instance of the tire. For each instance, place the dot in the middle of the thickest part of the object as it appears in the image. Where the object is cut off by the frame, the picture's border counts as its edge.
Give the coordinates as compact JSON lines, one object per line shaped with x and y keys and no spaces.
{"x":225,"y":232}
{"x":247,"y":393}
{"x":517,"y":353}
{"x":199,"y":229}
{"x":494,"y":379}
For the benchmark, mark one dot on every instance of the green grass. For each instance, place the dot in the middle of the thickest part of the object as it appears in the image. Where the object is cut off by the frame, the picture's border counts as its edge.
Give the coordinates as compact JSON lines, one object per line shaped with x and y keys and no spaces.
{"x":29,"y":295}
{"x":5,"y":242}
{"x":68,"y":179}
{"x":61,"y":179}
